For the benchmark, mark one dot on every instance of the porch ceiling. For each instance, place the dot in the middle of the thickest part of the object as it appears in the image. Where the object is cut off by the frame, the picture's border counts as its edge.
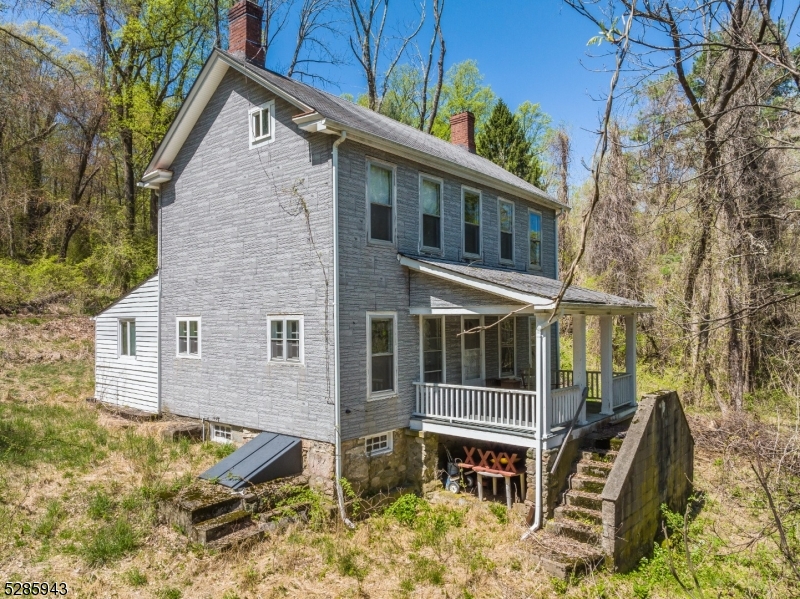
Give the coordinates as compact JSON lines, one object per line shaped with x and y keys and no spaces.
{"x":537,"y":292}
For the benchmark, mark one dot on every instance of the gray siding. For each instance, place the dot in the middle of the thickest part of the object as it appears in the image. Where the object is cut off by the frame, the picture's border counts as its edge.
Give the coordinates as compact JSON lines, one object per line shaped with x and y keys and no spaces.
{"x":237,"y":228}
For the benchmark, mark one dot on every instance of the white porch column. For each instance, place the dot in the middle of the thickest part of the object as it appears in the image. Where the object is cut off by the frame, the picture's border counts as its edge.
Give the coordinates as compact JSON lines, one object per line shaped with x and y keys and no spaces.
{"x":606,"y":364}
{"x":579,"y":357}
{"x":630,"y":352}
{"x":543,"y":385}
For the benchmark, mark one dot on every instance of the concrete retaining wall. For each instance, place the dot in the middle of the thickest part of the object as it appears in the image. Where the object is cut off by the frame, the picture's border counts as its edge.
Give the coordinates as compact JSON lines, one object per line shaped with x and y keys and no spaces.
{"x":654,"y":467}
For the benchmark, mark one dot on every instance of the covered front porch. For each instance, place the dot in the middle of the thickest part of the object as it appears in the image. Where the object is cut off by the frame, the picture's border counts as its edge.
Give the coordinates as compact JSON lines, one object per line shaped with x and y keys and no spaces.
{"x":489,"y":369}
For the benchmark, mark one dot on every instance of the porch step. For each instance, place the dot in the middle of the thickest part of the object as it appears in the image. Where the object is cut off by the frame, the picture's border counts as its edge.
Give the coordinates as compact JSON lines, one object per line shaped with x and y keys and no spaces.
{"x":585,"y":533}
{"x":197,"y":503}
{"x":596,"y":469}
{"x":246,"y":535}
{"x":606,"y":456}
{"x":216,"y":528}
{"x":591,"y":501}
{"x":578,"y":514}
{"x":588,"y":484}
{"x":564,"y":557}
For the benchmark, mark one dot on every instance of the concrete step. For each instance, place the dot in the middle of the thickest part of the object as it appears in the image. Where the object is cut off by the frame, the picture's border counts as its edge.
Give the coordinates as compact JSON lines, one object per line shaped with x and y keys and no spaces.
{"x":242,"y":537}
{"x":197,"y":503}
{"x":585,"y":533}
{"x":578,"y":514}
{"x":596,"y":469}
{"x":563,"y":557}
{"x":606,"y":456}
{"x":588,"y":484}
{"x":216,"y":528}
{"x":591,"y":501}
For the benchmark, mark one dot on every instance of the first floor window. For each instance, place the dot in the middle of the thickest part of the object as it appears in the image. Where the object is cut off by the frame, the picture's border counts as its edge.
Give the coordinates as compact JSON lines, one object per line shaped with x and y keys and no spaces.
{"x":381,"y":328}
{"x":127,"y":337}
{"x":507,"y":347}
{"x":221,"y":433}
{"x":535,"y":235}
{"x":189,"y":337}
{"x":380,"y":192}
{"x":286,"y":339}
{"x":431,"y":201}
{"x":472,"y":223}
{"x":433,"y":350}
{"x":378,"y":444}
{"x":506,"y":231}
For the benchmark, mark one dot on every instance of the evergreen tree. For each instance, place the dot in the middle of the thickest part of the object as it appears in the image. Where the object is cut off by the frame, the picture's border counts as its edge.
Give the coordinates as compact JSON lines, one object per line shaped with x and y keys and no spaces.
{"x":503,"y":142}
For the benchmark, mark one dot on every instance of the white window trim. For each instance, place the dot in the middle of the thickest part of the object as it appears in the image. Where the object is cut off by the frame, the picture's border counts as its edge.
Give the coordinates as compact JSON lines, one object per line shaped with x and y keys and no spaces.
{"x":285,"y":317}
{"x":500,"y":350}
{"x":264,"y":139}
{"x":380,"y":394}
{"x":422,"y":246}
{"x":223,"y":427}
{"x":464,"y":252}
{"x":389,"y":441}
{"x":393,"y":168}
{"x":528,"y":238}
{"x":120,"y":355}
{"x":483,"y":348}
{"x":422,"y":318}
{"x":188,"y":356}
{"x":513,"y":205}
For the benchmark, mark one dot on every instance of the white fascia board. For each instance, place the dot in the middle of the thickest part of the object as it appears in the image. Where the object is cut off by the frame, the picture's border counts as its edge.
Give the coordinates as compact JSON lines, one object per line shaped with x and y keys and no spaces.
{"x":468,"y":432}
{"x":518,"y":296}
{"x":596,"y":309}
{"x":445,"y":165}
{"x":490,"y":310}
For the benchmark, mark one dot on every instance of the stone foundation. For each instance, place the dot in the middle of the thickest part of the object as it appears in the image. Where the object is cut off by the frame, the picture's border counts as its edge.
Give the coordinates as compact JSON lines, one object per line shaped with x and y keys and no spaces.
{"x":319,"y":465}
{"x":553,"y":485}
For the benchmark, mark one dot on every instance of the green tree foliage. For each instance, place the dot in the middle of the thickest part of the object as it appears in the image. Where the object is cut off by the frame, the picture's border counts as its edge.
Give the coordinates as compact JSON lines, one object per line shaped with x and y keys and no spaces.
{"x":463,"y":89}
{"x":503,"y":142}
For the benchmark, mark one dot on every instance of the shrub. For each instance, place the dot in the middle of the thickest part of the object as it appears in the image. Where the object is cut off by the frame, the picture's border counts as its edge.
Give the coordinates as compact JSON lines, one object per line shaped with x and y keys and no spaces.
{"x":406,"y":508}
{"x":500,"y":511}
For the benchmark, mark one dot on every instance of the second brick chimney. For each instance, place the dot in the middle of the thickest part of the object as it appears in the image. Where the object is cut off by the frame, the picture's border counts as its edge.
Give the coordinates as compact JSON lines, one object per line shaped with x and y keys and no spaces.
{"x":462,"y":130}
{"x":245,"y":20}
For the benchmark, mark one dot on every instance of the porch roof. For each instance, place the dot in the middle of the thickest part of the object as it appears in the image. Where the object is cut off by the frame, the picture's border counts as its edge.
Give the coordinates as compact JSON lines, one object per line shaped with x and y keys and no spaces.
{"x":539,"y":292}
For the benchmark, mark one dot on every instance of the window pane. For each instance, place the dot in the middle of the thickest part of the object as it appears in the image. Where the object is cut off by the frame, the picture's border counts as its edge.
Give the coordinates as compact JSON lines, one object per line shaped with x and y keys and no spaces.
{"x":506,"y":217}
{"x":380,"y":185}
{"x":255,"y":123}
{"x":293,"y":329}
{"x":434,"y":376}
{"x":265,"y":122}
{"x":433,"y":361}
{"x":193,"y":345}
{"x":382,"y":336}
{"x":431,"y":198}
{"x":182,"y":345}
{"x":506,"y":246}
{"x":382,"y":373}
{"x":535,"y":233}
{"x":536,"y":253}
{"x":472,"y":239}
{"x":507,"y":332}
{"x":472,"y":208}
{"x":380,"y":222}
{"x":123,"y":333}
{"x":193,"y":328}
{"x":277,"y":350}
{"x":507,"y":360}
{"x":472,"y":340}
{"x":182,"y":328}
{"x":132,"y":339}
{"x":432,"y":334}
{"x":277,"y":329}
{"x":293,"y":350}
{"x":431,"y":231}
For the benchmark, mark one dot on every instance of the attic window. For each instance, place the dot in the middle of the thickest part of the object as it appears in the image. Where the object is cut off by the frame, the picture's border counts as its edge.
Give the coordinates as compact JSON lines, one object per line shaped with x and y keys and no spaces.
{"x":262,"y":124}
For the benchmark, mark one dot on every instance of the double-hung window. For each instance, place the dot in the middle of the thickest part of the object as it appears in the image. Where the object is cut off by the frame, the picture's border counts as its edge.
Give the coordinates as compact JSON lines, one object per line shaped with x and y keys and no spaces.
{"x":381,"y":358}
{"x":506,"y":231}
{"x":262,"y":123}
{"x":433,"y":349}
{"x":286,"y":339}
{"x":380,"y":196}
{"x":472,"y":222}
{"x":507,"y":346}
{"x":188,"y":337}
{"x":535,"y":236}
{"x":127,"y":338}
{"x":430,"y":196}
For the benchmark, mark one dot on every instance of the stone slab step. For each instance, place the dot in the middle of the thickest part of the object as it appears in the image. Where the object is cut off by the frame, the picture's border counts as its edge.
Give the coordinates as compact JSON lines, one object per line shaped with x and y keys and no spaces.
{"x":242,"y":537}
{"x":563,"y":557}
{"x":216,"y":528}
{"x":579,"y":514}
{"x":589,"y":534}
{"x":199,"y":502}
{"x":599,"y":455}
{"x":588,"y":484}
{"x":592,"y":468}
{"x":591,"y":501}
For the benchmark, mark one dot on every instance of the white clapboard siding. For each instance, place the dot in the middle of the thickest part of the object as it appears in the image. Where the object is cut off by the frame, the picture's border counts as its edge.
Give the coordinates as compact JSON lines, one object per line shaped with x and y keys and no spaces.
{"x":123,"y":380}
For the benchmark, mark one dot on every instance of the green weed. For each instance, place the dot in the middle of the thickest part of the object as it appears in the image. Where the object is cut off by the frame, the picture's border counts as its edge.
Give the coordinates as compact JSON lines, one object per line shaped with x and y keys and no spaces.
{"x":169,"y":593}
{"x":101,"y":506}
{"x":500,"y":512}
{"x":135,"y":578}
{"x":406,"y":508}
{"x":110,"y":542}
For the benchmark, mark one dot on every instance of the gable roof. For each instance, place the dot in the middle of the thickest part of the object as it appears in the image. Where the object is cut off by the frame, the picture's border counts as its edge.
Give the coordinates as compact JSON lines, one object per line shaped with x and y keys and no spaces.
{"x":524,"y":287}
{"x":322,"y":111}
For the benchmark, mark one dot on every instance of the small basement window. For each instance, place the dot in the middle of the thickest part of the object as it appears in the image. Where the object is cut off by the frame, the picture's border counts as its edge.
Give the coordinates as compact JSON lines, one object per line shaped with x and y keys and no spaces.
{"x":221,"y":433}
{"x":379,"y":444}
{"x":127,"y":338}
{"x":262,"y":123}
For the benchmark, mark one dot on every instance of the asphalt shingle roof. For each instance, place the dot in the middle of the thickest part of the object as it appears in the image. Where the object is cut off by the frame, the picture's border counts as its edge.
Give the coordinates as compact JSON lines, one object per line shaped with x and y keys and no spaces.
{"x":532,"y":284}
{"x":362,"y":119}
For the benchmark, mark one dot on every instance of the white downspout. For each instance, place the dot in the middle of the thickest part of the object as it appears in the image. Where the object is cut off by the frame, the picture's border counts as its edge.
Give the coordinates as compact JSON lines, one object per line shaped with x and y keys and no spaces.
{"x":337,"y":400}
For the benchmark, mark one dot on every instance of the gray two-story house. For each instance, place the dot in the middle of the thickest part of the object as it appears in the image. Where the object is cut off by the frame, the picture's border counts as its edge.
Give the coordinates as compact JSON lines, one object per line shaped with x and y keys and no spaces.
{"x":328,"y":273}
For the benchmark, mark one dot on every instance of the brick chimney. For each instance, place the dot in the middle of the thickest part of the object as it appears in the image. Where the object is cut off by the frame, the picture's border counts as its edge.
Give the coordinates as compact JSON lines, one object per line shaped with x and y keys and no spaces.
{"x":462,"y":130}
{"x":244,"y":32}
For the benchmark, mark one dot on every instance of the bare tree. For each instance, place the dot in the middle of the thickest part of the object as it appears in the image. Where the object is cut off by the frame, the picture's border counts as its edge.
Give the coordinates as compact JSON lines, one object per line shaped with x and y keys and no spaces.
{"x":312,"y":46}
{"x":428,"y":116}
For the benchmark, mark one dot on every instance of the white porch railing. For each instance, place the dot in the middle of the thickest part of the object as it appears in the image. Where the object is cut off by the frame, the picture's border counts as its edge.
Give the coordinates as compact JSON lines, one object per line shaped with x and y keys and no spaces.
{"x":564,"y":405}
{"x":623,"y":391}
{"x":509,"y":408}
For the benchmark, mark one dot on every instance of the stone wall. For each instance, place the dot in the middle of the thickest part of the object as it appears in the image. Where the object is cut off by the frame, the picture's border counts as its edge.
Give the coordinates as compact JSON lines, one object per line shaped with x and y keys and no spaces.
{"x":319,"y":464}
{"x":553,"y":485}
{"x":654,"y":467}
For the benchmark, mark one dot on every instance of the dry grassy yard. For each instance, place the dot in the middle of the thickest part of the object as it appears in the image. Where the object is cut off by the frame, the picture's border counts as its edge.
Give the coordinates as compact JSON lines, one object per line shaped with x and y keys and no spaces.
{"x":78,"y":490}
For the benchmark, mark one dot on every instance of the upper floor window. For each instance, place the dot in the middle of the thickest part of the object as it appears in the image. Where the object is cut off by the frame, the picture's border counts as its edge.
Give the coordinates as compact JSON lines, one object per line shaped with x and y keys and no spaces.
{"x":262,"y":123}
{"x":507,"y":345}
{"x":535,"y":236}
{"x":382,"y":349}
{"x":127,"y":337}
{"x":188,"y":337}
{"x":506,"y":231}
{"x":433,"y":349}
{"x":380,"y":194}
{"x":430,"y":196}
{"x":285,"y":338}
{"x":472,"y":222}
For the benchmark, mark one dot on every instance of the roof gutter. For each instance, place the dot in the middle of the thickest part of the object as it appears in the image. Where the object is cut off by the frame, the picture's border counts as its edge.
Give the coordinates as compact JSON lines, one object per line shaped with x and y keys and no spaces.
{"x":154,"y":178}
